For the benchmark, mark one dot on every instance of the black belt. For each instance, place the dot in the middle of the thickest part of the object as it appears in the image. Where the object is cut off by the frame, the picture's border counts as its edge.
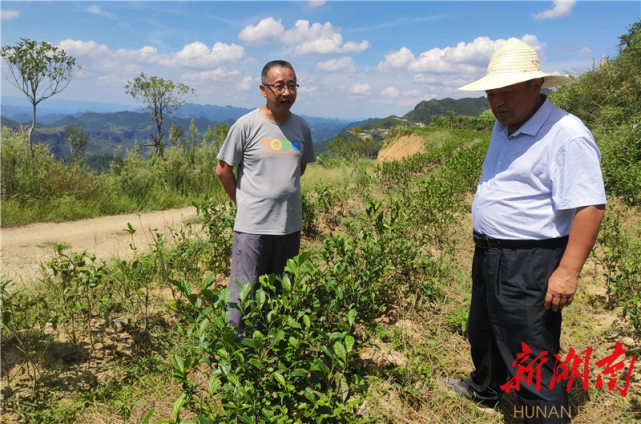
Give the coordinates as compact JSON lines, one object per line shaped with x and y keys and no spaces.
{"x":487,"y":243}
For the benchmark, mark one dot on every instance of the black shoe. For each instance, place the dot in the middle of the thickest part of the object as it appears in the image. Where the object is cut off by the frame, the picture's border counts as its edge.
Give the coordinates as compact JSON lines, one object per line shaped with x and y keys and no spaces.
{"x":460,"y":388}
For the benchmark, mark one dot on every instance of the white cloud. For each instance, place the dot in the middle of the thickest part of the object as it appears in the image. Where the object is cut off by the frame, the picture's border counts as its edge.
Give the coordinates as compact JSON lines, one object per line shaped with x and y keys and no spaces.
{"x":330,"y":45}
{"x":397,"y":59}
{"x":314,"y":38}
{"x":560,"y":9}
{"x":307,"y":89}
{"x":313,"y":4}
{"x":390,"y":92}
{"x":251,"y":60}
{"x":464,"y":58}
{"x":198,"y":54}
{"x":271,"y":31}
{"x":344,"y":64}
{"x":360,"y":89}
{"x":213,"y":75}
{"x":412,"y":93}
{"x":247,"y":83}
{"x":7,"y":15}
{"x":192,"y":55}
{"x":95,"y":9}
{"x":585,"y":50}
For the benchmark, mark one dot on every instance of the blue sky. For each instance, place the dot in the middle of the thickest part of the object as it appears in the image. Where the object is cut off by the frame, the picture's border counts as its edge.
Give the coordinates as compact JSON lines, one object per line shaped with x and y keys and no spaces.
{"x":353,"y":59}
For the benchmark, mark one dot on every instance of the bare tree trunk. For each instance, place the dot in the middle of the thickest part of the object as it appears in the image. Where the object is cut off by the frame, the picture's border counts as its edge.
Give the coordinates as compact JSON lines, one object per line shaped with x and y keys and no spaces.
{"x":159,"y":147}
{"x":33,"y":126}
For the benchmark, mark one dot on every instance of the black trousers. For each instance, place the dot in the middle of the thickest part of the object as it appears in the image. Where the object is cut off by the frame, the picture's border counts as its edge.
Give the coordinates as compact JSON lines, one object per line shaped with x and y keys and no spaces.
{"x":254,"y":255}
{"x":508,"y":294}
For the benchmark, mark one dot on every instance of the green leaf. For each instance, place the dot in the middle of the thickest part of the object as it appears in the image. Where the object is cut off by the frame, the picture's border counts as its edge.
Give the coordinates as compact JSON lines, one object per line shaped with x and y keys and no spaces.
{"x":148,"y":416}
{"x":256,"y":363}
{"x":286,"y":284}
{"x":209,"y":280}
{"x":260,"y":297}
{"x":249,"y":342}
{"x":225,"y":294}
{"x":327,"y":352}
{"x":279,"y":377}
{"x":233,"y":379}
{"x":344,"y":387}
{"x":178,"y":406}
{"x":339,"y":349}
{"x":304,"y":256}
{"x":349,"y":343}
{"x":6,"y":317}
{"x":244,"y":291}
{"x":351,"y":316}
{"x":309,"y":394}
{"x":291,"y":322}
{"x":177,"y":363}
{"x":279,"y":336}
{"x":307,"y":321}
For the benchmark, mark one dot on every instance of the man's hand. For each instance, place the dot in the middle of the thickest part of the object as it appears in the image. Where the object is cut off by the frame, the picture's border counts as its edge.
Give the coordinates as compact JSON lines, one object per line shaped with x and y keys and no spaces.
{"x":561,"y":288}
{"x":563,"y":281}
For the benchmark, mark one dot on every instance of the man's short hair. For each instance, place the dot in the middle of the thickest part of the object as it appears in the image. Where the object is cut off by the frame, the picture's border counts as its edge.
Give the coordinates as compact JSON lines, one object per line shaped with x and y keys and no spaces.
{"x":274,"y":64}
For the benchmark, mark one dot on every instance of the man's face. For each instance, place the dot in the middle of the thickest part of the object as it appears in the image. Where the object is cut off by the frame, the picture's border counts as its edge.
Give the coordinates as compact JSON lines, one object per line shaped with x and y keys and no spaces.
{"x":515,"y":104}
{"x":279,"y":99}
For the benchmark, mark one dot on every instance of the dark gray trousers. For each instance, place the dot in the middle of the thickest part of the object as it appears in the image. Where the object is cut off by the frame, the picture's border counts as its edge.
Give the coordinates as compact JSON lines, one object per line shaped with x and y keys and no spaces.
{"x":254,"y":255}
{"x":508,"y":294}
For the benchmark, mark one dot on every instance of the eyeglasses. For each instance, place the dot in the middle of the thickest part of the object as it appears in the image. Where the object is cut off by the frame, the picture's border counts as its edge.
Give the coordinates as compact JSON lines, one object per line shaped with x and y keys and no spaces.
{"x":279,"y":88}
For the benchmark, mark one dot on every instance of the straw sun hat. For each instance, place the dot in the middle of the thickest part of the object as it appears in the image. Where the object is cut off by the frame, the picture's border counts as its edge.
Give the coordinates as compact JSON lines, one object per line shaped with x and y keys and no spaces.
{"x":512,"y":63}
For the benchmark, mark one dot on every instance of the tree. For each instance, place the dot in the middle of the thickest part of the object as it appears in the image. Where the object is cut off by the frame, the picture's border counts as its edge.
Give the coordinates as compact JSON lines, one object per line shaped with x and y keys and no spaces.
{"x":78,"y":141}
{"x":162,"y":98}
{"x":450,"y":115}
{"x":339,"y":147}
{"x":39,"y":70}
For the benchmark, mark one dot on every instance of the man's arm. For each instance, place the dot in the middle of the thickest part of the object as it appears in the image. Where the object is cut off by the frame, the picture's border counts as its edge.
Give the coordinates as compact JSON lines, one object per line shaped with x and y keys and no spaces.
{"x":226,"y":174}
{"x":563,"y":281}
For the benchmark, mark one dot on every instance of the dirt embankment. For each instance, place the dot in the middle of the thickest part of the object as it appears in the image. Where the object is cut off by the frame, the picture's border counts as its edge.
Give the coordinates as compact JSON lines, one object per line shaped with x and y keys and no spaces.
{"x":406,"y":145}
{"x":25,"y":248}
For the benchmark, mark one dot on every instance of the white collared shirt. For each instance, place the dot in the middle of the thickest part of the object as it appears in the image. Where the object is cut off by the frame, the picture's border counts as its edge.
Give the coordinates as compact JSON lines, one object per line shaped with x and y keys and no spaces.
{"x":534,"y":180}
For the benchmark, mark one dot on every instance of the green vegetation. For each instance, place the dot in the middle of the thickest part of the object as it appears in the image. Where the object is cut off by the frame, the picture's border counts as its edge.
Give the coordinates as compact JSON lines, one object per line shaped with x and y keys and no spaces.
{"x":39,"y":70}
{"x":41,"y":188}
{"x":162,"y":98}
{"x":379,"y":247}
{"x":371,"y":314}
{"x":423,"y":114}
{"x":608,"y":99}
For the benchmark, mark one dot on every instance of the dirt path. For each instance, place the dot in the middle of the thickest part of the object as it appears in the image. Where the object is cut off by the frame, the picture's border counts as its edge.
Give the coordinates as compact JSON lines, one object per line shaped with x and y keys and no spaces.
{"x":25,"y":248}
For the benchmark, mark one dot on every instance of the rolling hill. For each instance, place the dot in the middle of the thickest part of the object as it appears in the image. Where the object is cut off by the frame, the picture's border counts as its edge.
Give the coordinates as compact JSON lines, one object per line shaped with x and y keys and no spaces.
{"x":419,"y":117}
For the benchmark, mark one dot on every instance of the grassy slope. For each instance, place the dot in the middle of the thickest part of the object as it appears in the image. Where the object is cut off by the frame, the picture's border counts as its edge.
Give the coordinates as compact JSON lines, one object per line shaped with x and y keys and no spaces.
{"x":420,"y":343}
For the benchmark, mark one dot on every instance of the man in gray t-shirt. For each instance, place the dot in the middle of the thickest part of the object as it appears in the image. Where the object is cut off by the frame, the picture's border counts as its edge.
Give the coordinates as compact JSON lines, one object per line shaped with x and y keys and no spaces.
{"x":271,"y":148}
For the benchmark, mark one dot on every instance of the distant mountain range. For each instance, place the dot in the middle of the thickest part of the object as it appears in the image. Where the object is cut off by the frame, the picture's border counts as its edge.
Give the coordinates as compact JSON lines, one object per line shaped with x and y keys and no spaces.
{"x":110,"y":125}
{"x":377,"y":129}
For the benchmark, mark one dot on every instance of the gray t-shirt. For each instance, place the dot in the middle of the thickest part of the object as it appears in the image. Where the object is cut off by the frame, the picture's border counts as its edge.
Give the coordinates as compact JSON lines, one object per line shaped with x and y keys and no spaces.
{"x":268,"y":156}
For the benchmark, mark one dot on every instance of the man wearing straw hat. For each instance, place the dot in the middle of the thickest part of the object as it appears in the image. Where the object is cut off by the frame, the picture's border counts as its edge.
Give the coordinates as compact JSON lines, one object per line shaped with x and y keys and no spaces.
{"x":536,"y":215}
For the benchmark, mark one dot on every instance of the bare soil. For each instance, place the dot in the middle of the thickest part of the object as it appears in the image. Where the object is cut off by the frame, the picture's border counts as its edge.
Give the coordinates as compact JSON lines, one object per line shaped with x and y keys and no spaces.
{"x":404,"y":146}
{"x":24,"y":249}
